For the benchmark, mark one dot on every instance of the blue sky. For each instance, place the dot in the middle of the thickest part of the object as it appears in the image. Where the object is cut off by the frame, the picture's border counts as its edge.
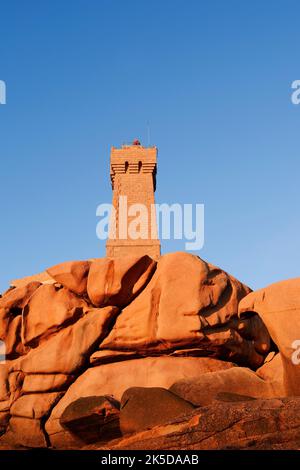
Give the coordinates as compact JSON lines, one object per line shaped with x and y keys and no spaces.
{"x":213,"y":79}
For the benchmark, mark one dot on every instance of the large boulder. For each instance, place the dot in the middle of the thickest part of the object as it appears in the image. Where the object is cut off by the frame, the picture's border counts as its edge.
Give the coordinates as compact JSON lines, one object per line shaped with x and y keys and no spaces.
{"x":92,"y":419}
{"x":116,"y":281}
{"x":15,"y":299}
{"x":190,"y":304}
{"x":143,"y":408}
{"x":12,"y":304}
{"x":25,"y":432}
{"x":69,"y":349}
{"x":34,"y":405}
{"x":48,"y":309}
{"x":72,"y":275}
{"x":202,"y":390}
{"x":279,"y":307}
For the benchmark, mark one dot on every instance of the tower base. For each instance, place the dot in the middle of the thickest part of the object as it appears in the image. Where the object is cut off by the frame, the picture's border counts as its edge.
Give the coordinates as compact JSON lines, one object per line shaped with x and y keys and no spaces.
{"x":119,"y":248}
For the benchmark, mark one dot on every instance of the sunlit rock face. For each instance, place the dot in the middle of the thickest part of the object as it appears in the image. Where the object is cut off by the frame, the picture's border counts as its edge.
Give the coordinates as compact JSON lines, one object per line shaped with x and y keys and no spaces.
{"x":98,"y":327}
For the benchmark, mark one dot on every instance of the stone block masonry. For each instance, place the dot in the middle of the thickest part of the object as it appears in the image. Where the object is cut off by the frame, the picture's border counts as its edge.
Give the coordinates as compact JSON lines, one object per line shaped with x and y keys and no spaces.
{"x":133,"y":174}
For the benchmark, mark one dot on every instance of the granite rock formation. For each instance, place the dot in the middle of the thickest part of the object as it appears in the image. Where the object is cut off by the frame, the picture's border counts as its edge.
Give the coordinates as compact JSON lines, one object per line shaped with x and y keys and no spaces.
{"x":279,"y":307}
{"x":82,"y":334}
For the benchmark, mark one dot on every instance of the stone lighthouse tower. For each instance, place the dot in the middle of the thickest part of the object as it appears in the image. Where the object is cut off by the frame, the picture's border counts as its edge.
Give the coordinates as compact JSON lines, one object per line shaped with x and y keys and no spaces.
{"x":133,"y":229}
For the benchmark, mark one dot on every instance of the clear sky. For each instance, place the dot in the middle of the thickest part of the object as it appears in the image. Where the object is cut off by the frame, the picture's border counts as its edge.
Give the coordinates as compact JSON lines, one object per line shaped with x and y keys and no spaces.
{"x":213,"y":79}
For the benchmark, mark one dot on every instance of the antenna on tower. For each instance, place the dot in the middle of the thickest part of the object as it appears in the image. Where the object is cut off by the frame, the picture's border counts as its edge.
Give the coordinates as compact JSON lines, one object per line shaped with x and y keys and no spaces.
{"x":148,"y":134}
